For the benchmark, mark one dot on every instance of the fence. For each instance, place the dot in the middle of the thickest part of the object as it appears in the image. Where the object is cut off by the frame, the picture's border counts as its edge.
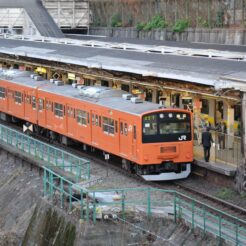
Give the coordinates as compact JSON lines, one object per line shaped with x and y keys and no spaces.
{"x":96,"y":204}
{"x":78,"y":167}
{"x":227,"y":147}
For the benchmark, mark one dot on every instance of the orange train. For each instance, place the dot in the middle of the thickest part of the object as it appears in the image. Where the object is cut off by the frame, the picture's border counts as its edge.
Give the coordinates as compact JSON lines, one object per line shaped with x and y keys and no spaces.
{"x":154,"y":142}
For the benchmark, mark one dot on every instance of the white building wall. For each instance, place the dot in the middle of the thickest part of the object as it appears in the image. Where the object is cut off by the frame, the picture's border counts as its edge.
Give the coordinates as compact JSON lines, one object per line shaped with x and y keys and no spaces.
{"x":16,"y":21}
{"x":69,"y":13}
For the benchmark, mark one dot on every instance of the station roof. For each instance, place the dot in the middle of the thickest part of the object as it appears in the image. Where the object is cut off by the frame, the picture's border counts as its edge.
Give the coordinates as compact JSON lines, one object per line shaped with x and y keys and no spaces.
{"x":183,"y":67}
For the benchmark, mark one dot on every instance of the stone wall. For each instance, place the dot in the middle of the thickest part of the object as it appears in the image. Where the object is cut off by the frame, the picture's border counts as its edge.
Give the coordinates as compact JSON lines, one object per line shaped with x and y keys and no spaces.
{"x":216,"y":35}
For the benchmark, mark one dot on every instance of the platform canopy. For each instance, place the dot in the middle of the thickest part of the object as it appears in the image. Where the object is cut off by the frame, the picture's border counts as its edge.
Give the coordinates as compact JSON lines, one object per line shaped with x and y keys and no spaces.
{"x":197,"y":68}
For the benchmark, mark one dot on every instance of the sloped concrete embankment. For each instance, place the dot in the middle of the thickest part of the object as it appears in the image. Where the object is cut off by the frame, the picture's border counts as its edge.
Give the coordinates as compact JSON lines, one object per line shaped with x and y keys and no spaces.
{"x":28,"y":219}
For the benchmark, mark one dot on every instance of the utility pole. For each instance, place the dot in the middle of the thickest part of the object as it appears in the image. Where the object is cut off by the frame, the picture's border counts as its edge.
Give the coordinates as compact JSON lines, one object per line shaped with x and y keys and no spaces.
{"x":241,"y":169}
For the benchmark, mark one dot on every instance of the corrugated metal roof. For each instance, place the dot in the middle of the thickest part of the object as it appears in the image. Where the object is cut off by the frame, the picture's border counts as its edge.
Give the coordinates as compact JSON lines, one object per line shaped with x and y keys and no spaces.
{"x":198,"y":70}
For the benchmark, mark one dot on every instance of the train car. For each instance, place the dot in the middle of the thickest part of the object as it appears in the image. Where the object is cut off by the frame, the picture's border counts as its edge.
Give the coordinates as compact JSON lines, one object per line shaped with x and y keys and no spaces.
{"x":156,"y":143}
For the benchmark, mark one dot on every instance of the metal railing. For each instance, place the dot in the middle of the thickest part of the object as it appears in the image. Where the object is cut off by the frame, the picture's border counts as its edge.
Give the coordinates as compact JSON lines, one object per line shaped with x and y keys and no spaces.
{"x":78,"y":167}
{"x":227,"y":148}
{"x":122,"y":203}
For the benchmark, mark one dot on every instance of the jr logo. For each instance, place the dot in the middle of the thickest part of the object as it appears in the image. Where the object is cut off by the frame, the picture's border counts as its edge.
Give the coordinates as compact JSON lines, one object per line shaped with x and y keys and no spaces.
{"x":182,"y":138}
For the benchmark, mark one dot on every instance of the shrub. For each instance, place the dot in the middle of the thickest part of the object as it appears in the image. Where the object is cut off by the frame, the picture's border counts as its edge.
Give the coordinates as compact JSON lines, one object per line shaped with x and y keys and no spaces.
{"x":202,"y":22}
{"x":115,"y":20}
{"x":219,"y":18}
{"x":140,"y":26}
{"x":181,"y":25}
{"x":156,"y":22}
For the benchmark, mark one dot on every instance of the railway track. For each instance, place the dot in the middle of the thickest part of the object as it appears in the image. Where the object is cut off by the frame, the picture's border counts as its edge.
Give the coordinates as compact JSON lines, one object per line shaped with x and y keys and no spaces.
{"x":181,"y":187}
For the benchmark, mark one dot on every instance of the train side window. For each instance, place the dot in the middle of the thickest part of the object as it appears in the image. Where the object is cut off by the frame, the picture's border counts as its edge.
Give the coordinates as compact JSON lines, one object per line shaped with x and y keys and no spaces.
{"x":93,"y":119}
{"x":134,"y":132}
{"x":108,"y":125}
{"x":2,"y":92}
{"x":34,"y":102}
{"x":58,"y":109}
{"x":40,"y":104}
{"x":18,"y":97}
{"x":81,"y":117}
{"x":125,"y":129}
{"x":121,"y":128}
{"x":116,"y":126}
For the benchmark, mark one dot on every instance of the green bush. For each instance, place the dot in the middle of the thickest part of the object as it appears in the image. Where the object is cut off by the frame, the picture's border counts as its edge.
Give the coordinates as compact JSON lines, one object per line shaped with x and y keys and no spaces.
{"x":156,"y":22}
{"x":115,"y":20}
{"x":140,"y":26}
{"x":181,"y":25}
{"x":219,"y":18}
{"x":202,"y":22}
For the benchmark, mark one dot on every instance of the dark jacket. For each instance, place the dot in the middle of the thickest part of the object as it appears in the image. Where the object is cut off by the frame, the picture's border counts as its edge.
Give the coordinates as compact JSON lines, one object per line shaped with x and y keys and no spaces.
{"x":207,"y":139}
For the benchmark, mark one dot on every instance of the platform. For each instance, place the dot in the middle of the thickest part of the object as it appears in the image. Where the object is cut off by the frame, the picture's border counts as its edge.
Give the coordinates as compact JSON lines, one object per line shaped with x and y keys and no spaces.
{"x":221,"y":168}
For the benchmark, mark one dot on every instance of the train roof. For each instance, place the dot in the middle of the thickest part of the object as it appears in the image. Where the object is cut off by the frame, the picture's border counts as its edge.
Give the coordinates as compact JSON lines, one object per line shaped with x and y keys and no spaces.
{"x":99,"y":95}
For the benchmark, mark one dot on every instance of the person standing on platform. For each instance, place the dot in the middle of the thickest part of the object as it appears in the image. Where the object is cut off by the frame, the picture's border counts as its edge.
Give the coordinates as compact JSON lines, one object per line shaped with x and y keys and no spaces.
{"x":207,"y":140}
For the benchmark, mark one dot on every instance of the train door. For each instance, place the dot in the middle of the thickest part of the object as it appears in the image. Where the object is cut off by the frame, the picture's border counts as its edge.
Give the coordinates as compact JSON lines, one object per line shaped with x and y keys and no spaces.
{"x":49,"y":113}
{"x":3,"y":99}
{"x":95,"y":128}
{"x":28,"y":107}
{"x":124,"y":140}
{"x":41,"y":112}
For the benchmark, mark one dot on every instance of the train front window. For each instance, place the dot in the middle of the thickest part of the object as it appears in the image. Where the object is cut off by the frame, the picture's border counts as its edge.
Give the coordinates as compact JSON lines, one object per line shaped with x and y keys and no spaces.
{"x":174,"y":127}
{"x":150,"y":125}
{"x":166,"y":127}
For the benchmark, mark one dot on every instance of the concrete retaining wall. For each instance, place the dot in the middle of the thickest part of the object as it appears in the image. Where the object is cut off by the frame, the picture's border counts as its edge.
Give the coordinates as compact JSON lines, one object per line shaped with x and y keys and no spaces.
{"x":220,"y":36}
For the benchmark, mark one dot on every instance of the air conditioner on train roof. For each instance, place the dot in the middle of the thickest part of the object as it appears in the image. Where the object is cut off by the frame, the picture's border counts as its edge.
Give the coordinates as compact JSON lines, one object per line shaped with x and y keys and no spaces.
{"x":136,"y":100}
{"x":127,"y":96}
{"x":59,"y":83}
{"x":38,"y":78}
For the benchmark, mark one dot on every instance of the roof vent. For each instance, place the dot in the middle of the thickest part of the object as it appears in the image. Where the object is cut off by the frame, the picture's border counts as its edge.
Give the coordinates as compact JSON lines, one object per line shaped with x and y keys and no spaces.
{"x":136,"y":100}
{"x":79,"y":87}
{"x":58,"y":83}
{"x":33,"y":75}
{"x":127,"y":96}
{"x":74,"y":85}
{"x":38,"y":78}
